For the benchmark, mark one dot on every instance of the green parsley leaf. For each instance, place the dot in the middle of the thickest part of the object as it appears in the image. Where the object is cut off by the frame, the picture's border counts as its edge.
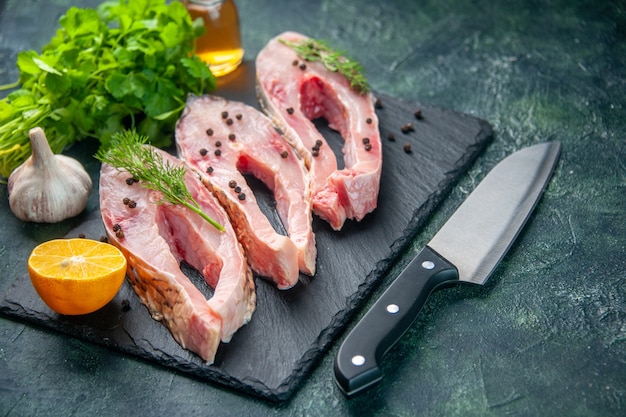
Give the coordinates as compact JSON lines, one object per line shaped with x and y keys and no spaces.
{"x":127,"y":64}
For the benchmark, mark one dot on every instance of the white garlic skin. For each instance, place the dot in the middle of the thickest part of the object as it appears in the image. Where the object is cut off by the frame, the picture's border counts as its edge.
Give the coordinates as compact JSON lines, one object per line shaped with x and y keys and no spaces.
{"x":48,"y":188}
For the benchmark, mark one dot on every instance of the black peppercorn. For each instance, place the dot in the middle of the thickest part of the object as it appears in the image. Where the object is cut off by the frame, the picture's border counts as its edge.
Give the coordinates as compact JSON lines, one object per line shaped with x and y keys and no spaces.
{"x":407,"y":128}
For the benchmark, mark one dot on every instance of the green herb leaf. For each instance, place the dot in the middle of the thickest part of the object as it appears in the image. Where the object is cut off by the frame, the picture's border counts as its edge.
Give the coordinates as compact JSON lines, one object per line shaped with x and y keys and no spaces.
{"x":317,"y":50}
{"x":126,"y":64}
{"x":128,"y":151}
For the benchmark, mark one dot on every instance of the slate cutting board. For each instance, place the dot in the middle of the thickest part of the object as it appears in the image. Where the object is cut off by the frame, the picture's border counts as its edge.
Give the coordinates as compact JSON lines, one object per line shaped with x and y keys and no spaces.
{"x":290,"y":330}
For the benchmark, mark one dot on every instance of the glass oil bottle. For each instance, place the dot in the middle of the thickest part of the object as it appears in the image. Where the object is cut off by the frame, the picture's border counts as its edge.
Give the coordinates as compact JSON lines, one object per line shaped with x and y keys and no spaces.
{"x":220,"y":47}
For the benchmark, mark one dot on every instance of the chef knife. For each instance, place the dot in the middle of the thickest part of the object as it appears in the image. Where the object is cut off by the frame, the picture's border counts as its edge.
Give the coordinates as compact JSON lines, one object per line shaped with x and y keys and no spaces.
{"x":467,"y":248}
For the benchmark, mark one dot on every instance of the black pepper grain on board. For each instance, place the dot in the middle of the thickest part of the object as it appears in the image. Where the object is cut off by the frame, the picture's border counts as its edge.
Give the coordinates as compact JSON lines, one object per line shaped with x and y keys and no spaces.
{"x":406,"y":128}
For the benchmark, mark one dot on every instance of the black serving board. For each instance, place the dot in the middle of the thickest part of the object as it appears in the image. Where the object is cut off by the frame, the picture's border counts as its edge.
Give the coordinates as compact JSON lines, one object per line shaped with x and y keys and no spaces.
{"x":290,"y":330}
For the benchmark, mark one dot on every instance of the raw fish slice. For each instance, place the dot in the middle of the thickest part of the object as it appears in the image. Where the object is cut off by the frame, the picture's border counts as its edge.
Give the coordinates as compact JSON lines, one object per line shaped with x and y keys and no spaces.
{"x":223,"y":140}
{"x":294,"y":92}
{"x":155,"y":237}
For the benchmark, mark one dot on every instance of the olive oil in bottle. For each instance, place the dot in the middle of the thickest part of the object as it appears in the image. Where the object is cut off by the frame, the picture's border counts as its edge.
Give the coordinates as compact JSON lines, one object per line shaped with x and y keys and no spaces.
{"x":220,"y":47}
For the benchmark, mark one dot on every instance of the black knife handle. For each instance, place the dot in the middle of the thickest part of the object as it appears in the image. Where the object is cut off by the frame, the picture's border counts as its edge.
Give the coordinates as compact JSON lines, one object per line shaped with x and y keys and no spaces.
{"x":357,"y":363}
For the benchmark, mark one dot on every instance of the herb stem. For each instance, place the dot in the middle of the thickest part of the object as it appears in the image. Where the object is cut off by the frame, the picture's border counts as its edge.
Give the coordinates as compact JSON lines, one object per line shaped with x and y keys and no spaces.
{"x":334,"y":61}
{"x":10,"y":85}
{"x":127,"y":151}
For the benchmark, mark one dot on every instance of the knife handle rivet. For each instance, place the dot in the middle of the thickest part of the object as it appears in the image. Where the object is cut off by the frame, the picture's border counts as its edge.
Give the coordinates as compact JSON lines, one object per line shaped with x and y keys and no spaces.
{"x":358,"y":360}
{"x":428,"y":264}
{"x":393,"y":308}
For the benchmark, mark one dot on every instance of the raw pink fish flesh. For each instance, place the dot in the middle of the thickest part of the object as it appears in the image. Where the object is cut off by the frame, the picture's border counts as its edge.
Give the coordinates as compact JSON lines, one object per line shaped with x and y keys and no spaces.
{"x":222,"y":140}
{"x":294,"y":92}
{"x":156,"y":237}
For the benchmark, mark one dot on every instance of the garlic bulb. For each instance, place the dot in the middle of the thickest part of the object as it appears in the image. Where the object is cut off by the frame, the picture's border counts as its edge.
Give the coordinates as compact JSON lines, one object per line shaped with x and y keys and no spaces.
{"x":48,"y":188}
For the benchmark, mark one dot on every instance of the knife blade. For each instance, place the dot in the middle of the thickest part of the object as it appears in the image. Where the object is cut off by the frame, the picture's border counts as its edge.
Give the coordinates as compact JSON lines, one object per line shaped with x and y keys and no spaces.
{"x":467,"y":248}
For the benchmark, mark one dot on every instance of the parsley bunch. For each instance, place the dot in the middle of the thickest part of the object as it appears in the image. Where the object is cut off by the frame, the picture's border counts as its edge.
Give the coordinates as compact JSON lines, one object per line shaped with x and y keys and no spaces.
{"x":126,"y":64}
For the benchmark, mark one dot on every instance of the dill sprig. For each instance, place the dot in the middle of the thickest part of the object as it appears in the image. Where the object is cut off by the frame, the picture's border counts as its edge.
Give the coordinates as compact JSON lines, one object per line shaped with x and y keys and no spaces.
{"x":335,"y":61}
{"x":143,"y":163}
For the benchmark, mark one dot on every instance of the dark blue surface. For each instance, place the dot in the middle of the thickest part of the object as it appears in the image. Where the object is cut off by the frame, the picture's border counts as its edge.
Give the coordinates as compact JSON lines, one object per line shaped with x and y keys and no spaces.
{"x":546,"y":336}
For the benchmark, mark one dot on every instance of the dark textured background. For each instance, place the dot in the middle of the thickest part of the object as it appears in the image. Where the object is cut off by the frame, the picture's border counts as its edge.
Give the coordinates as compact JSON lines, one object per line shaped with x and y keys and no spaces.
{"x":547,"y":336}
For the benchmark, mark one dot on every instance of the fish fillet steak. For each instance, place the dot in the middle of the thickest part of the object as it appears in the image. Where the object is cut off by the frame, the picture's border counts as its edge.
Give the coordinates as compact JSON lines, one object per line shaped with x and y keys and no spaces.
{"x":156,"y":237}
{"x":225,"y":139}
{"x":294,"y":92}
